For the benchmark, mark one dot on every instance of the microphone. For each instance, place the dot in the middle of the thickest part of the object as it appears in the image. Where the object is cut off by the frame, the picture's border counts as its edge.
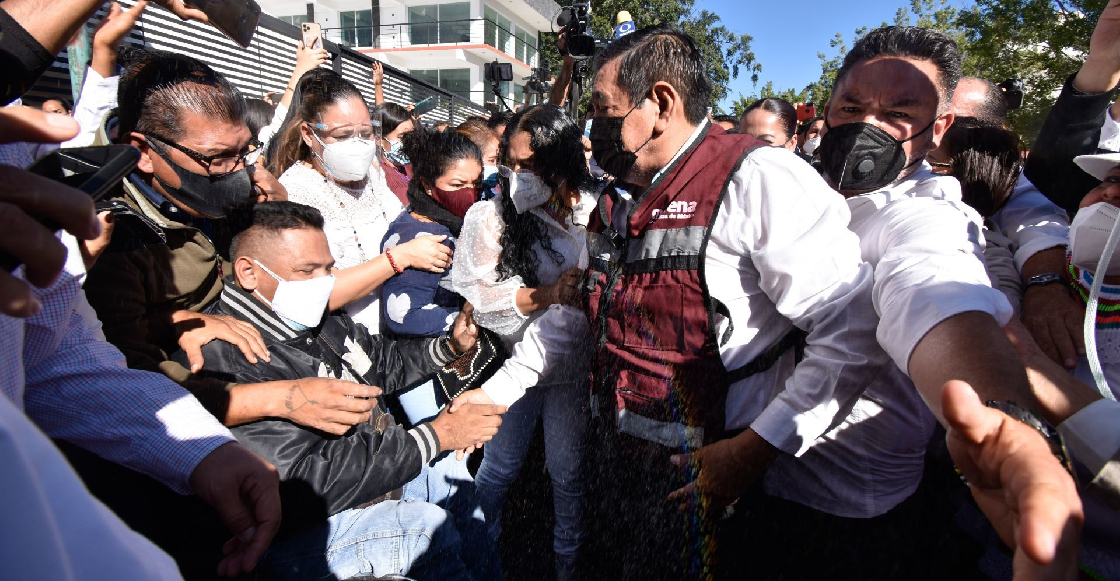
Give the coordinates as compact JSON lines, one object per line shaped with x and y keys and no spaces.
{"x":624,"y":24}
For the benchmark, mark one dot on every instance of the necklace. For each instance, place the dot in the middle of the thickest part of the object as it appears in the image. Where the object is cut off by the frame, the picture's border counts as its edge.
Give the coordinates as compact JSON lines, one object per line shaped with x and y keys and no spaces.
{"x":340,"y":198}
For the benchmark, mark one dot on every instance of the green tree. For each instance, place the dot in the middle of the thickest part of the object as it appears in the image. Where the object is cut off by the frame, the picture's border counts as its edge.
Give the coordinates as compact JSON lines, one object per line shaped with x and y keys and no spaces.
{"x":1041,"y":42}
{"x":726,"y":54}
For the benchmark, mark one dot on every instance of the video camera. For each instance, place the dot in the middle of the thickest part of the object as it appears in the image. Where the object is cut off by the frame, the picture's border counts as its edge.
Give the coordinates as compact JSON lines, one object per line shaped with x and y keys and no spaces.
{"x":538,"y":81}
{"x":576,"y":20}
{"x":1013,"y":90}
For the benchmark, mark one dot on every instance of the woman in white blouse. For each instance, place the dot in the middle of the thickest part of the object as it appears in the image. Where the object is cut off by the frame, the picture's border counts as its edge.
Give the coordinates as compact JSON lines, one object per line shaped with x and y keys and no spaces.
{"x":519,"y":254}
{"x":325,"y":157}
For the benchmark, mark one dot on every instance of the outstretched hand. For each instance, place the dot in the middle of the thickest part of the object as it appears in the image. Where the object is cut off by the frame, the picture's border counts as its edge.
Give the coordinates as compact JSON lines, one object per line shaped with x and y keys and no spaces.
{"x":180,"y":9}
{"x":1022,"y":488}
{"x":1103,"y":65}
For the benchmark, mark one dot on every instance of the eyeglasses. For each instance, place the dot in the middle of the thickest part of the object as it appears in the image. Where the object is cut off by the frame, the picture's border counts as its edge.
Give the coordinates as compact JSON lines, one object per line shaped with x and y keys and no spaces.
{"x":344,"y":131}
{"x":216,"y":165}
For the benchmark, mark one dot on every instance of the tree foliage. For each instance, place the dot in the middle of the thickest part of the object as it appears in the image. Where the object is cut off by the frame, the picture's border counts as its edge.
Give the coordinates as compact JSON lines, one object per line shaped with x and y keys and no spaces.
{"x":727,"y":54}
{"x":1041,"y":42}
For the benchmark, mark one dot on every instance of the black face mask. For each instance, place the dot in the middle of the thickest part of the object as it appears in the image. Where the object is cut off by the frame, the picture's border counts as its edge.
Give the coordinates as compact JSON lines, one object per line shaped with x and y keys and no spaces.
{"x":607,"y":147}
{"x":213,"y":197}
{"x":862,"y":157}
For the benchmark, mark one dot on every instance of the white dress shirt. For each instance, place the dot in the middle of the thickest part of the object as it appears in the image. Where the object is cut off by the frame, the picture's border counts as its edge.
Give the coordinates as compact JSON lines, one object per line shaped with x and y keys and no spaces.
{"x":1031,"y":222}
{"x":926,"y":247}
{"x":779,"y":251}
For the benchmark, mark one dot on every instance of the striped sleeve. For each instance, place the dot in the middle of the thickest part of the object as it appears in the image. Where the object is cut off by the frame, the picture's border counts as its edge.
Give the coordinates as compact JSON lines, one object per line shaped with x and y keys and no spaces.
{"x":426,"y":440}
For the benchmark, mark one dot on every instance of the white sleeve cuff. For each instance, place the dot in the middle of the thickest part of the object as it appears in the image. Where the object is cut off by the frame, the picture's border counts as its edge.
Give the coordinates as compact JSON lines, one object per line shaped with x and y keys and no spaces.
{"x":1092,"y":435}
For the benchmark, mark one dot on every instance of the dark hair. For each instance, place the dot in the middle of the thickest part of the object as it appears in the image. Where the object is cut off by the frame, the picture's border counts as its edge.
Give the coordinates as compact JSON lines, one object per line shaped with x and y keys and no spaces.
{"x":315,"y":91}
{"x":557,"y":144}
{"x":64,"y":102}
{"x":270,"y":218}
{"x":993,"y":108}
{"x":734,"y":121}
{"x":499,"y":118}
{"x":392,"y":115}
{"x":258,"y":114}
{"x":804,"y":129}
{"x":157,"y":87}
{"x":986,"y":158}
{"x":661,"y":53}
{"x":431,"y":153}
{"x":912,"y":42}
{"x":787,"y":115}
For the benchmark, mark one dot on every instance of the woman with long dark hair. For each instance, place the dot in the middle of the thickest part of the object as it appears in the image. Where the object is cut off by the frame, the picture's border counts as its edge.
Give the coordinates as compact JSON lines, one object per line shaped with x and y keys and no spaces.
{"x":396,"y":122}
{"x":324,"y":156}
{"x":520,"y":253}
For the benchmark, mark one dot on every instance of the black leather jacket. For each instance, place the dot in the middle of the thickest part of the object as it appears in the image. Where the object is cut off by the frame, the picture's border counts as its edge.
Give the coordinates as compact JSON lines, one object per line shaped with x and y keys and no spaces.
{"x":322,"y":474}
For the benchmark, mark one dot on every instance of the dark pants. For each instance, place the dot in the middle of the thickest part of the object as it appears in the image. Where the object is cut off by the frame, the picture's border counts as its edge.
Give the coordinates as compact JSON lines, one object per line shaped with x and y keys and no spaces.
{"x":634,"y":531}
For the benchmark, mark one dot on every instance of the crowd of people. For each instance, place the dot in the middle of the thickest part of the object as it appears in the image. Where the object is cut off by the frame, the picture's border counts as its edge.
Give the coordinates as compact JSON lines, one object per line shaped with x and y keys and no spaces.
{"x":312,"y":337}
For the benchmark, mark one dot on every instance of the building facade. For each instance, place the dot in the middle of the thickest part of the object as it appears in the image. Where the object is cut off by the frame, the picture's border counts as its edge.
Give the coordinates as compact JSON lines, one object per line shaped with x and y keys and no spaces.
{"x":446,"y":43}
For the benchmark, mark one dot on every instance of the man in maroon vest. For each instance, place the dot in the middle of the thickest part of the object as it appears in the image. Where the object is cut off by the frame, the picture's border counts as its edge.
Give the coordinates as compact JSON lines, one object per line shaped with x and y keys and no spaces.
{"x":715,"y":263}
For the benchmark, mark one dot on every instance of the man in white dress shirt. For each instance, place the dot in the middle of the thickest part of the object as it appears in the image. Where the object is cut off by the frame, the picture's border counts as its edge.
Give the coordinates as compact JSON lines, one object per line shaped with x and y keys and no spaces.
{"x":939,"y":318}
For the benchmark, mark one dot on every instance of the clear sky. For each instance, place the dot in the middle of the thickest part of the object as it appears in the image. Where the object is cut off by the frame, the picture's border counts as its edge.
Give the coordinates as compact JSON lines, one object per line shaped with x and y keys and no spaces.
{"x":788,"y":34}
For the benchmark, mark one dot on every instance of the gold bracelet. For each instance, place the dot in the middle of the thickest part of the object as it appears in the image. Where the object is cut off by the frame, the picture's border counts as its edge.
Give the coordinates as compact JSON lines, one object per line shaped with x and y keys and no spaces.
{"x":286,"y":89}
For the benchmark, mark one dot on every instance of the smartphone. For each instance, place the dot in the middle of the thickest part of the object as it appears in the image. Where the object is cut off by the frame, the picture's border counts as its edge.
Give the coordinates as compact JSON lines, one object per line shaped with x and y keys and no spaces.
{"x":236,"y":18}
{"x":93,"y":170}
{"x":425,"y":105}
{"x":312,"y":35}
{"x":806,"y":112}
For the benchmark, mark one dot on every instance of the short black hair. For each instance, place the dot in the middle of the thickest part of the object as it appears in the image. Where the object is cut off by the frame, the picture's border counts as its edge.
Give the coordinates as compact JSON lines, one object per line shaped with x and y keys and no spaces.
{"x":787,"y":115}
{"x":157,"y":87}
{"x":726,"y":119}
{"x":912,"y":42}
{"x":499,"y":118}
{"x":993,"y":108}
{"x":656,"y":54}
{"x":270,"y":218}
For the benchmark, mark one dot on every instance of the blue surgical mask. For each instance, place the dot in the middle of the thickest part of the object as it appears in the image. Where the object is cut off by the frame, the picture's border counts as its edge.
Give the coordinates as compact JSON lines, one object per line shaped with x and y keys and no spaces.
{"x":396,"y":153}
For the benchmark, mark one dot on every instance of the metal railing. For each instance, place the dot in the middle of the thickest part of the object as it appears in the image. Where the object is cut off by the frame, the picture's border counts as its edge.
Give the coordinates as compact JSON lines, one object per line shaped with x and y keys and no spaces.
{"x":436,"y":33}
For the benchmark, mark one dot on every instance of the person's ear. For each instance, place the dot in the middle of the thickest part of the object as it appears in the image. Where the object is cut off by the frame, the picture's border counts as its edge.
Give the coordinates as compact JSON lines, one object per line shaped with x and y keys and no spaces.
{"x":824,"y":115}
{"x":139,"y":142}
{"x":940,"y":126}
{"x":245,"y":274}
{"x":308,"y":138}
{"x":668,"y":103}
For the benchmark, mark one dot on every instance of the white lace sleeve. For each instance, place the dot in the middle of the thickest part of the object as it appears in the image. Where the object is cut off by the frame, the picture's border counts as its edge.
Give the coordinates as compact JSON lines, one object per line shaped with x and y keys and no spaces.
{"x":474,"y":274}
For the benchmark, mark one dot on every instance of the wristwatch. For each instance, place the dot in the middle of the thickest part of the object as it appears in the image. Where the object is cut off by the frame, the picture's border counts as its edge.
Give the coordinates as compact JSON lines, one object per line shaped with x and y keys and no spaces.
{"x":1041,"y":279}
{"x":1043,"y":427}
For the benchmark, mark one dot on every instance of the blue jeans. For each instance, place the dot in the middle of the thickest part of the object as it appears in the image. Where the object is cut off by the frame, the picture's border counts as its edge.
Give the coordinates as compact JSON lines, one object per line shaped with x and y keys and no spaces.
{"x":412,"y":536}
{"x":563,"y":408}
{"x":421,"y":402}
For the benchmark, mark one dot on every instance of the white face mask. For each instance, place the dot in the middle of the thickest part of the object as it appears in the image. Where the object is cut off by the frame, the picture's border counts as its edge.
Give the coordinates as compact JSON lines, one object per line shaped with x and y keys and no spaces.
{"x":526,"y":189}
{"x":811,"y":145}
{"x":347,"y":161}
{"x":1088,"y":234}
{"x":300,"y":303}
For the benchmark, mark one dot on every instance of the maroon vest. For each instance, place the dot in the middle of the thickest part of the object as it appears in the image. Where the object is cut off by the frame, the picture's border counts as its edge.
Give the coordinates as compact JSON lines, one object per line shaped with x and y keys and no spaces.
{"x":649,"y":306}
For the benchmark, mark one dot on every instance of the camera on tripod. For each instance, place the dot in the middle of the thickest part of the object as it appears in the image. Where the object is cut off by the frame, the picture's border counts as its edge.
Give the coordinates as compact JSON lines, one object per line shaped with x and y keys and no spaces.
{"x":538,"y":81}
{"x":576,"y":20}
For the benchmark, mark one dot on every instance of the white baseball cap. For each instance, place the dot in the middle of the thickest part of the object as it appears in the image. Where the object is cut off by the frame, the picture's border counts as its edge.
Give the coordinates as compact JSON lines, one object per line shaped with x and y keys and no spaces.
{"x":1098,"y":164}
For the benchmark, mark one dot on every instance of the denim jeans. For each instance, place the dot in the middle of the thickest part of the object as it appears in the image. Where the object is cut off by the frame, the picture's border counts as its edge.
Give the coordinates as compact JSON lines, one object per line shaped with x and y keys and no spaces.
{"x":435,"y":532}
{"x":393,"y":537}
{"x":563,"y":409}
{"x":421,"y":402}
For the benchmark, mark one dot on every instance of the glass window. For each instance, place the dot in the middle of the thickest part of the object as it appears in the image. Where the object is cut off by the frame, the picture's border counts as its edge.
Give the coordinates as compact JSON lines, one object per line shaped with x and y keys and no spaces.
{"x":519,"y":50}
{"x":426,"y":75}
{"x":504,"y":35}
{"x":456,"y":81}
{"x":491,"y":28}
{"x":531,"y":50}
{"x":518,"y":95}
{"x":423,"y":24}
{"x":454,"y":22}
{"x":296,"y":20}
{"x":357,"y":27}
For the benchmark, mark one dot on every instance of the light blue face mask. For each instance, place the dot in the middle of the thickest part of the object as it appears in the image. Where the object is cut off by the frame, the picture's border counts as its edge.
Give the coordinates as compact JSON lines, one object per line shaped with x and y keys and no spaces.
{"x":396,"y":155}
